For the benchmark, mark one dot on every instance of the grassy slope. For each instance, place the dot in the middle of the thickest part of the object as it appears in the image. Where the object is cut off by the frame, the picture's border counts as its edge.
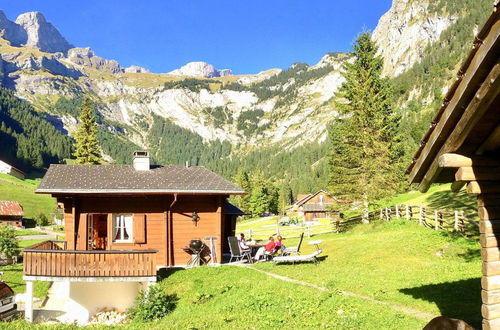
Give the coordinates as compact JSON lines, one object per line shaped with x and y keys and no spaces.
{"x":438,"y":197}
{"x":22,"y":191}
{"x":399,"y":262}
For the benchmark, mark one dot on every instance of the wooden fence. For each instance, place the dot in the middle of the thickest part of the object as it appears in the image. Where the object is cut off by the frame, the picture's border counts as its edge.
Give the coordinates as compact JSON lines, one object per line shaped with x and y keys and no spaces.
{"x":437,"y":219}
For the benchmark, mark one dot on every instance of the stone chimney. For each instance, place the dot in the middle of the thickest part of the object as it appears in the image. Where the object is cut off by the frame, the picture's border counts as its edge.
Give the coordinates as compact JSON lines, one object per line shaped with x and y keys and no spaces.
{"x":141,"y":161}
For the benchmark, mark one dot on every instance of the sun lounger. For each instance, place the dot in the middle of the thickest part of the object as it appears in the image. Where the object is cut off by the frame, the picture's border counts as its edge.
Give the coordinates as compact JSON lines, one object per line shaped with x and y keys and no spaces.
{"x":307,"y":257}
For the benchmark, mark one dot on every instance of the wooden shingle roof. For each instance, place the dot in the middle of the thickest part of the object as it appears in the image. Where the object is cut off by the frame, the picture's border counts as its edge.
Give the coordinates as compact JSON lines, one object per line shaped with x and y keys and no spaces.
{"x":113,"y":179}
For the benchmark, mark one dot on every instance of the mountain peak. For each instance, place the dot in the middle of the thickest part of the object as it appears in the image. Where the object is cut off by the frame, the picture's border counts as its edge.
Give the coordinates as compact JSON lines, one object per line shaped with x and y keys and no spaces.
{"x":32,"y":29}
{"x":201,"y":69}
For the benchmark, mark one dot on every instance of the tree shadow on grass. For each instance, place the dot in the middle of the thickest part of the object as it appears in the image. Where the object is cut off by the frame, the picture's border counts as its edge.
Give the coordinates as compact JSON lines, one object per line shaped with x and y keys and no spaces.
{"x":459,"y":299}
{"x":163,"y":273}
{"x":453,"y":201}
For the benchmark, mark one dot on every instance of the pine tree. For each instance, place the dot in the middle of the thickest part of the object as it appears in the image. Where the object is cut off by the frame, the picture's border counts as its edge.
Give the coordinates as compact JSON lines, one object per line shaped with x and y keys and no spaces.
{"x":258,"y":201}
{"x":363,"y":144}
{"x":87,"y":147}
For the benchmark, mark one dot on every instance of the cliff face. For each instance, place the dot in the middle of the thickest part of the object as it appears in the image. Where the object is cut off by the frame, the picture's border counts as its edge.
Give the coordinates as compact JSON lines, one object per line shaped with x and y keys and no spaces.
{"x":275,"y":108}
{"x":405,"y":30}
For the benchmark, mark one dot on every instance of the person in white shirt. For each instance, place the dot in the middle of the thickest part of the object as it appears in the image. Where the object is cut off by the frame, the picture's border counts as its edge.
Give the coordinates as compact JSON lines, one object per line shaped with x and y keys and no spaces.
{"x":243,"y":245}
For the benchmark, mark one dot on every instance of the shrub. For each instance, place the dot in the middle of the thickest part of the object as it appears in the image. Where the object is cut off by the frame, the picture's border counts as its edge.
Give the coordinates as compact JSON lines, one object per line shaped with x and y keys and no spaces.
{"x":42,"y":220}
{"x":8,"y":241}
{"x":152,"y":304}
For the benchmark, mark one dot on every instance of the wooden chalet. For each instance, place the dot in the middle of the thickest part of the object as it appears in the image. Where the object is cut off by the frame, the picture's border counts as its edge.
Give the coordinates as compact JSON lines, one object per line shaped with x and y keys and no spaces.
{"x":314,"y":206}
{"x":463,"y":146}
{"x":11,"y":213}
{"x":123,"y":222}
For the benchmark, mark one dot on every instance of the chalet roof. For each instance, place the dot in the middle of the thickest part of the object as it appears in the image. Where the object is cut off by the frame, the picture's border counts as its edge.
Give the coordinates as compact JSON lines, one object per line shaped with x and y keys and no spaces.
{"x":11,"y":208}
{"x":467,"y":116}
{"x":231,"y":209}
{"x":116,"y":179}
{"x":316,"y":207}
{"x":310,"y":196}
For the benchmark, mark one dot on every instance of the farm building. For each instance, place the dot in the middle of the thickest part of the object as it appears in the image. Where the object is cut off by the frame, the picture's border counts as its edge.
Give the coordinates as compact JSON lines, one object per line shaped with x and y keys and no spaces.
{"x":123,"y":222}
{"x":11,"y":213}
{"x":463,"y":146}
{"x":313,"y":206}
{"x":9,"y":169}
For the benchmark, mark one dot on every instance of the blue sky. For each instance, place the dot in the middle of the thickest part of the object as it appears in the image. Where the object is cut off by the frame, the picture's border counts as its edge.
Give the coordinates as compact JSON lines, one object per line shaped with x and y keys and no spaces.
{"x":245,"y":36}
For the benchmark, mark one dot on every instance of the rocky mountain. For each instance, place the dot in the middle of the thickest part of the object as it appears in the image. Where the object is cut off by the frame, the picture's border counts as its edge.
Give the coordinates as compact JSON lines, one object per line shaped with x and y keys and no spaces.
{"x":224,"y":121}
{"x":201,"y":69}
{"x":32,"y":30}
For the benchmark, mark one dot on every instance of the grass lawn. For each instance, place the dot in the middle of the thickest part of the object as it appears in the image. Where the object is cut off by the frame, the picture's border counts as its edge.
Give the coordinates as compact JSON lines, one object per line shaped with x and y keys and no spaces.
{"x":13,"y":276}
{"x":29,"y":242}
{"x":399,"y":262}
{"x":22,"y":191}
{"x":234,"y":297}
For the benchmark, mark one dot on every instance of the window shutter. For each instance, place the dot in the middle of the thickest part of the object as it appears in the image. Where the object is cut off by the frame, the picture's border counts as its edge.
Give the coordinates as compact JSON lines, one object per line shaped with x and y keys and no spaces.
{"x":139,"y":232}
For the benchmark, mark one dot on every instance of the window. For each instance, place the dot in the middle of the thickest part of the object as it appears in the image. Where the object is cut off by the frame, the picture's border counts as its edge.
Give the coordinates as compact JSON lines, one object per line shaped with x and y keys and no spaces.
{"x":122,"y":228}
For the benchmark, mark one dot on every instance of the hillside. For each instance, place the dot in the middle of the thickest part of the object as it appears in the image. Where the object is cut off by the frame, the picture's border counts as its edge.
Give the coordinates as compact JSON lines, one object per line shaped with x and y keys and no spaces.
{"x":275,"y":120}
{"x":23,"y":191}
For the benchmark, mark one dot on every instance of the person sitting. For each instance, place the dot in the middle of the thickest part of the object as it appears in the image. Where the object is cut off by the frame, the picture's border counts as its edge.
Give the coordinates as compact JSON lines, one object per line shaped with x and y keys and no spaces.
{"x":243,"y":244}
{"x":267,"y":249}
{"x":279,"y":247}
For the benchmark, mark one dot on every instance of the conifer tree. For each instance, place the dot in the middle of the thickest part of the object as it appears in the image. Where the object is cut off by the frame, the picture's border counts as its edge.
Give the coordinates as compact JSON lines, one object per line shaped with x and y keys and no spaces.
{"x":258,"y":201}
{"x":363,"y":143}
{"x":87,"y":147}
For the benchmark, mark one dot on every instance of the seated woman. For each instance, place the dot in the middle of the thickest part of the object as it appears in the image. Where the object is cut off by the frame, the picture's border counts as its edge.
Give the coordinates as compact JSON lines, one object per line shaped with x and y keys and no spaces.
{"x":279,"y":247}
{"x":242,"y":242}
{"x":268,"y":249}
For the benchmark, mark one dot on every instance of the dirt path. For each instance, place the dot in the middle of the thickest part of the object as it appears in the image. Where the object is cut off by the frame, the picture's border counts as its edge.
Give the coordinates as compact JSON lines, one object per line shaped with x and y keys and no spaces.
{"x":404,"y":309}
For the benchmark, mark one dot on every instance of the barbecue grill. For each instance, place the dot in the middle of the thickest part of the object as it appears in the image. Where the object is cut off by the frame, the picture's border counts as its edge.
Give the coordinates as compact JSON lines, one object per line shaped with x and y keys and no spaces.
{"x":195,"y":247}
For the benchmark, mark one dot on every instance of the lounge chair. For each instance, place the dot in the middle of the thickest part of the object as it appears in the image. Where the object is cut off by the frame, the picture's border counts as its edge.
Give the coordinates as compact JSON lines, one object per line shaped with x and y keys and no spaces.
{"x":236,"y":252}
{"x":294,"y":249}
{"x":293,"y":259}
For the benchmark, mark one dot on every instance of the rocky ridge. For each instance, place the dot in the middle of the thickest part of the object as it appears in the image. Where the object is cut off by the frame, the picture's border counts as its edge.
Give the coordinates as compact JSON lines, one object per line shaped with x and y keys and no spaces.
{"x":279,"y":108}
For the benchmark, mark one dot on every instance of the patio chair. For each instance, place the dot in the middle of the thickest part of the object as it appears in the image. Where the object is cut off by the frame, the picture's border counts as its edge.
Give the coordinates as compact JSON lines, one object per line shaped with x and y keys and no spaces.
{"x":294,"y":249}
{"x":236,"y":252}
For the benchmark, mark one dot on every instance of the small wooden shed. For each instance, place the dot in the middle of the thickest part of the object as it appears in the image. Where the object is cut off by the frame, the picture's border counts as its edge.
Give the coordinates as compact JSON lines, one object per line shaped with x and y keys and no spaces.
{"x":463,"y":146}
{"x":11,"y":213}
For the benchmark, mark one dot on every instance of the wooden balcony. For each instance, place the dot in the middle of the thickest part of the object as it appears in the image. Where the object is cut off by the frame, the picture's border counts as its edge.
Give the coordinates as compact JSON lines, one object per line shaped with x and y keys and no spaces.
{"x":51,"y":259}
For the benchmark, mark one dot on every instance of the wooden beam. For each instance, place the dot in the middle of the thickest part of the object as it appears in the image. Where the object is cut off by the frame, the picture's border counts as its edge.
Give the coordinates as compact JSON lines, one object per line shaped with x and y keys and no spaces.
{"x":456,"y":186}
{"x":489,"y":213}
{"x":490,"y":297}
{"x":489,"y":240}
{"x":483,"y":187}
{"x":451,"y":160}
{"x":490,"y":282}
{"x":491,"y":311}
{"x":450,"y":115}
{"x":491,"y":268}
{"x":491,"y":324}
{"x":478,"y":174}
{"x":492,"y":142}
{"x":488,"y":200}
{"x":489,"y":227}
{"x":454,"y":137}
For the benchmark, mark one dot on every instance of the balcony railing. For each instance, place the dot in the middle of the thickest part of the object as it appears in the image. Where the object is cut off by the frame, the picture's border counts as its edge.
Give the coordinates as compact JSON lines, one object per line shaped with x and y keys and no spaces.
{"x":50,"y":258}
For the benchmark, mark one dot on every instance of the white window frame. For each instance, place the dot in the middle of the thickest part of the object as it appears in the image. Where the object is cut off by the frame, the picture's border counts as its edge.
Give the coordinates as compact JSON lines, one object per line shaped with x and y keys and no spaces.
{"x":119,"y":225}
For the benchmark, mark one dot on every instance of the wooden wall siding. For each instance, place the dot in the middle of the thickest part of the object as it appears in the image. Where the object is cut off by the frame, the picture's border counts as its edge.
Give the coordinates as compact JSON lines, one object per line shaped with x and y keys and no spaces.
{"x":154,"y":209}
{"x":184,"y":229}
{"x":490,"y":236}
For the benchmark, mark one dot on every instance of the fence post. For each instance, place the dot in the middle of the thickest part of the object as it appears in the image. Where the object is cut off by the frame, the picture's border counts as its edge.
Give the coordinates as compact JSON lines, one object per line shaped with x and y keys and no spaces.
{"x":397,"y":211}
{"x":308,"y":227}
{"x":250,"y":234}
{"x":436,"y":219}
{"x":407,"y":209}
{"x":420,"y":215}
{"x":337,"y":225}
{"x":277,"y":227}
{"x":386,"y":215}
{"x":381,"y":214}
{"x":455,"y":226}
